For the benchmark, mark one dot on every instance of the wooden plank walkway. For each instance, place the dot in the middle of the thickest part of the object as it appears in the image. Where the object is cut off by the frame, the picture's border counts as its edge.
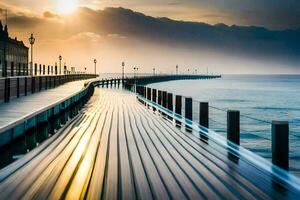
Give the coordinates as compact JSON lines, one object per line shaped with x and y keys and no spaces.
{"x":116,"y":148}
{"x":19,"y":108}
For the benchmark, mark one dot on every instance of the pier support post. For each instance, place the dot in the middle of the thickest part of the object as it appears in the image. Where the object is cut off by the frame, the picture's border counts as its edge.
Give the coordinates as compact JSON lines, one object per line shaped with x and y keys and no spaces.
{"x":178,"y":107}
{"x":154,"y":95}
{"x":154,"y":98}
{"x":189,"y":108}
{"x":159,"y":97}
{"x":280,"y":144}
{"x":204,"y":114}
{"x":149,"y":94}
{"x":178,"y":104}
{"x":170,"y":101}
{"x":233,"y":126}
{"x":164,"y":99}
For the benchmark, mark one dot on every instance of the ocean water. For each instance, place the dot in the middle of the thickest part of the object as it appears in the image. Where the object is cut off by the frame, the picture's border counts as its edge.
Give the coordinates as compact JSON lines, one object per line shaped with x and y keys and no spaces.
{"x":260,"y":99}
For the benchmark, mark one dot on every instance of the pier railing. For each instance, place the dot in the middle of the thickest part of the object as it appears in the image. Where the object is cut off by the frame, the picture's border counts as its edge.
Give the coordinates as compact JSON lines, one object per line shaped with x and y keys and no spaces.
{"x":15,"y":87}
{"x":231,"y":127}
{"x":44,"y":122}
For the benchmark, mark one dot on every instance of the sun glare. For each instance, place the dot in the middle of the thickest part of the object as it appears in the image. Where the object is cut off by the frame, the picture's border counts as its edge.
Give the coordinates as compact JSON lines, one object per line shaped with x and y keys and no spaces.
{"x":66,"y":6}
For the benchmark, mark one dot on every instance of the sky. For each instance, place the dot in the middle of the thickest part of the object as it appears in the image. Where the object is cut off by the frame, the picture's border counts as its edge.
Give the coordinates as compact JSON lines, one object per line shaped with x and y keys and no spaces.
{"x":61,"y":28}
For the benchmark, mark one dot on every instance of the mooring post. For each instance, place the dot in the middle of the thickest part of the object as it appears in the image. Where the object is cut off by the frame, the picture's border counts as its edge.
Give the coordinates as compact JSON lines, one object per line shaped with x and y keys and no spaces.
{"x":149,"y":94}
{"x":233,"y":126}
{"x":154,"y":95}
{"x":144,"y":92}
{"x":280,"y":144}
{"x":159,"y":97}
{"x":178,"y":104}
{"x":170,"y":101}
{"x":164,"y":99}
{"x":204,"y":114}
{"x":189,"y":108}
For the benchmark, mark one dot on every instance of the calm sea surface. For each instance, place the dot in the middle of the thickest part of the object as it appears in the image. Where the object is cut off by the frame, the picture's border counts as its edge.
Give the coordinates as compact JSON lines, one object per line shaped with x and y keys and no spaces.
{"x":260,"y":98}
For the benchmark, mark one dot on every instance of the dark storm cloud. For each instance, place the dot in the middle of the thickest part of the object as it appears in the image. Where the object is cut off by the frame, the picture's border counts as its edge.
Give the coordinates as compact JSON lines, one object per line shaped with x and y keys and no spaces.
{"x":276,"y":14}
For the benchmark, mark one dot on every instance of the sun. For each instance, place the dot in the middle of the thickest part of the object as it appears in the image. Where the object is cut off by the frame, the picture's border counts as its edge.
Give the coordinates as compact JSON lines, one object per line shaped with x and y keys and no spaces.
{"x":66,"y":6}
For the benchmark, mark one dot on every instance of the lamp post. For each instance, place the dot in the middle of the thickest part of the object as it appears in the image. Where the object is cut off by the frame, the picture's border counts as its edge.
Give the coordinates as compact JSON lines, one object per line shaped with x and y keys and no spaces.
{"x":153,"y":71}
{"x":176,"y":69}
{"x":31,"y":41}
{"x":95,"y":62}
{"x":60,"y":59}
{"x":123,"y":65}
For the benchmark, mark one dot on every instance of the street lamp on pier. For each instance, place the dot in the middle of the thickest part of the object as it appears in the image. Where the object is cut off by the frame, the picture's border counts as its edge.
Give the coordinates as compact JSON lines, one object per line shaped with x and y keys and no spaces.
{"x":95,"y":62}
{"x":153,"y":71}
{"x":31,"y":41}
{"x":176,"y":69}
{"x":123,"y":65}
{"x":60,"y":59}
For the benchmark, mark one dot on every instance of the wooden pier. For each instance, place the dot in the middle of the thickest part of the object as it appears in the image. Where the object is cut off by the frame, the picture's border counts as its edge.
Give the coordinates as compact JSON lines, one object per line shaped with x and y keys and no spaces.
{"x":117,"y":148}
{"x":123,"y":147}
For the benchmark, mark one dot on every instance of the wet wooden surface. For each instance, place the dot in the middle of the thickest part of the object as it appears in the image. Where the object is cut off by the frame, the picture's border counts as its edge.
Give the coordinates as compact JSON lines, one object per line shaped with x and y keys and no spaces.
{"x":19,"y":108}
{"x":117,"y":148}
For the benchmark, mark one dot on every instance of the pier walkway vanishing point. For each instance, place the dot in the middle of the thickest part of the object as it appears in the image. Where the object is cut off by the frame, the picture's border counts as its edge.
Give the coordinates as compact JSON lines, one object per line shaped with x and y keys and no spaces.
{"x":117,"y":148}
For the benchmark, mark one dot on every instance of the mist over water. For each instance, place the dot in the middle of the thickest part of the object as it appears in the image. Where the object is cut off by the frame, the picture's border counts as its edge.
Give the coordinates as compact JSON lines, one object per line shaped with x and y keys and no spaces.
{"x":260,"y":99}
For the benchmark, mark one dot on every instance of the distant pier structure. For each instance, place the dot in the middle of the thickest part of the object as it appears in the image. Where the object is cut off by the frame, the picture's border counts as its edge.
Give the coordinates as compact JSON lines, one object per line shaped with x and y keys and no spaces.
{"x":143,"y":80}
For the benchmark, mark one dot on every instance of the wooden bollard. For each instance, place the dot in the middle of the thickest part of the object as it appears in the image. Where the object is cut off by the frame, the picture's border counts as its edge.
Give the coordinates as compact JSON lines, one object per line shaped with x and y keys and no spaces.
{"x":154,"y":95}
{"x":178,"y":104}
{"x":204,"y":114}
{"x":189,"y":108}
{"x":280,"y":144}
{"x":149,"y":94}
{"x":164,"y":99}
{"x":170,"y":101}
{"x":233,"y":126}
{"x":159,"y":97}
{"x":144,"y":92}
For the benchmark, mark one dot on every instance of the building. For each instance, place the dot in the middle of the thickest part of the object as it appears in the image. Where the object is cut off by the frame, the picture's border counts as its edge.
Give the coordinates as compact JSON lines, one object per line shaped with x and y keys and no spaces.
{"x":14,"y":52}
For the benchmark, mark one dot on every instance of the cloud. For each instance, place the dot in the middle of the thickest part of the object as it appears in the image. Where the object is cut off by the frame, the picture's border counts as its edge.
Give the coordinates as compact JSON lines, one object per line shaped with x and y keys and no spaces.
{"x":122,"y":31}
{"x":51,"y":15}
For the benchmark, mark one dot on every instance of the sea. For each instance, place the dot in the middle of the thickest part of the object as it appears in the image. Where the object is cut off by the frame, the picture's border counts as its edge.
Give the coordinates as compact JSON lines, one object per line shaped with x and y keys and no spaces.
{"x":259,"y":98}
